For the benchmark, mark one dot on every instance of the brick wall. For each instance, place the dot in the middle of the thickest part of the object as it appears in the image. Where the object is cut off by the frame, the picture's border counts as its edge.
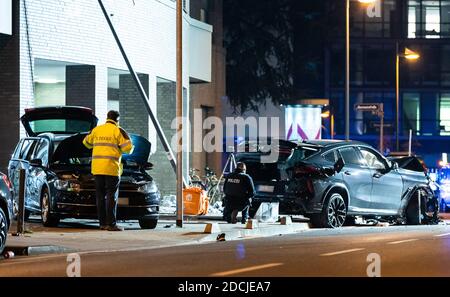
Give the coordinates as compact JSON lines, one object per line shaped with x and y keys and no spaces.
{"x":133,"y":115}
{"x":80,"y":86}
{"x":9,"y":90}
{"x":163,"y":172}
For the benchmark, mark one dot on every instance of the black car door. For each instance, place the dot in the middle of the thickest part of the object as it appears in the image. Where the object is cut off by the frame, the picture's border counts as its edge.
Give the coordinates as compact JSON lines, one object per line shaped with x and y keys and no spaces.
{"x":14,"y":167}
{"x":387,"y":184}
{"x":22,"y":161}
{"x":358,"y":179}
{"x":36,"y":175}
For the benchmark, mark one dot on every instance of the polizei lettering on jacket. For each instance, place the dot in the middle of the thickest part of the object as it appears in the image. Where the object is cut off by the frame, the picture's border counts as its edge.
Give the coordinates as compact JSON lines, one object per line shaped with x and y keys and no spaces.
{"x":234,"y":180}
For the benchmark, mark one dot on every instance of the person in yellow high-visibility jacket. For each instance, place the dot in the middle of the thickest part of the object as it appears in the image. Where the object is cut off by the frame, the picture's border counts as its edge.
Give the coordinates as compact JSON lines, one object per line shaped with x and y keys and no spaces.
{"x":108,"y":143}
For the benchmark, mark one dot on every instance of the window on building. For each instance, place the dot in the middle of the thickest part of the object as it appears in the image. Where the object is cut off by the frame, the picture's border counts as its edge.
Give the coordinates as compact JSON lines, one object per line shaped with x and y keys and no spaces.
{"x":411,"y":112}
{"x":428,"y":19}
{"x":444,"y":113}
{"x":365,"y":24}
{"x":114,"y":88}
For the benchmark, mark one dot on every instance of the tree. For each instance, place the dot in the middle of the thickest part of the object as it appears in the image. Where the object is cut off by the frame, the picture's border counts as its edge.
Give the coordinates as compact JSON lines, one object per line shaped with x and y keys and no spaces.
{"x":258,"y":40}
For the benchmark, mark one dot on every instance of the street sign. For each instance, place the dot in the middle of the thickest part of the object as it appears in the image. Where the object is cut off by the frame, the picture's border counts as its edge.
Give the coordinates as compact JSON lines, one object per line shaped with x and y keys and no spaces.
{"x":375,"y":109}
{"x":378,"y":125}
{"x":368,"y":107}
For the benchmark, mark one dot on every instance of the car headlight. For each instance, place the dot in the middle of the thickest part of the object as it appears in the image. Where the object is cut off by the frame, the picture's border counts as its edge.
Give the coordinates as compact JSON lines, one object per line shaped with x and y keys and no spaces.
{"x":65,"y":185}
{"x":148,"y":188}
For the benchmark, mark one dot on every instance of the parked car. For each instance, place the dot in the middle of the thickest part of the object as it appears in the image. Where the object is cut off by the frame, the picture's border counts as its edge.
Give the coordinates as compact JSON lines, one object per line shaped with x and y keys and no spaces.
{"x":332,"y":182}
{"x":6,"y":203}
{"x":59,"y":183}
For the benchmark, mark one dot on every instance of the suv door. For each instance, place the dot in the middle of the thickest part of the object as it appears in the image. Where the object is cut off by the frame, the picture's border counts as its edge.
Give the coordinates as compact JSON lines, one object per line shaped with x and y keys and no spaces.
{"x":358,"y":178}
{"x":21,"y":160}
{"x":387,"y":184}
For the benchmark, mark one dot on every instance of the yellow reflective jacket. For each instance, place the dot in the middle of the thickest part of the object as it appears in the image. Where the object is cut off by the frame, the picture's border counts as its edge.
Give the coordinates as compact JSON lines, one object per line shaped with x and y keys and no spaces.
{"x":108,"y":142}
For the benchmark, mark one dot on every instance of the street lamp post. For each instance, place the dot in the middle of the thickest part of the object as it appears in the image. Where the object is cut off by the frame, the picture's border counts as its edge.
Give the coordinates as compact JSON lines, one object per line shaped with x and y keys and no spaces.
{"x":411,"y":56}
{"x":347,"y":65}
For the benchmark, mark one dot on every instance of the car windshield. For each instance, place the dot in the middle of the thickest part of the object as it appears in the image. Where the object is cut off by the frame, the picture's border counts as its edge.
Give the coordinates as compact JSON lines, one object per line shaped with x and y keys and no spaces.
{"x":60,"y":126}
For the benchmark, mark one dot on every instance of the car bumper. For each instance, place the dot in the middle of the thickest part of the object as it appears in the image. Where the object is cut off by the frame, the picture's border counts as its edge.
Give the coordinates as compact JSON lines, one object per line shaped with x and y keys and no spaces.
{"x":83,"y":205}
{"x":289,"y":204}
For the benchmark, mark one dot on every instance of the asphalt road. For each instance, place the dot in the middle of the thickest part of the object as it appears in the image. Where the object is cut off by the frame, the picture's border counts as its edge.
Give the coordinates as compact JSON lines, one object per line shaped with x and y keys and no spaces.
{"x":402,"y":251}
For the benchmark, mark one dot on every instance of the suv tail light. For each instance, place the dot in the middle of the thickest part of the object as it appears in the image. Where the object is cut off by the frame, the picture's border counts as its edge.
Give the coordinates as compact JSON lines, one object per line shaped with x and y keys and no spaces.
{"x":7,"y":182}
{"x":306,"y":170}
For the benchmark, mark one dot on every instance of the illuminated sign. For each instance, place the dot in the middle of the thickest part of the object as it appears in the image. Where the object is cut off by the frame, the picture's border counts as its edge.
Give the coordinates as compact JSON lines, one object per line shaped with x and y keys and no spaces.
{"x":303,"y":123}
{"x":6,"y":17}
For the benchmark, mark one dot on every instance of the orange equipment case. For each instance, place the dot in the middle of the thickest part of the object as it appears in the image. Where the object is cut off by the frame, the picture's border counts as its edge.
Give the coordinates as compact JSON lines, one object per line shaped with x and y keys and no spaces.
{"x":196,"y":201}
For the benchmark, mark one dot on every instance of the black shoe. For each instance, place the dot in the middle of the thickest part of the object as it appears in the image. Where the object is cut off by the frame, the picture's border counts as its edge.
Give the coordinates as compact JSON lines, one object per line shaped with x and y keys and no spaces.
{"x":244,"y":222}
{"x":103,"y":227}
{"x":114,"y":228}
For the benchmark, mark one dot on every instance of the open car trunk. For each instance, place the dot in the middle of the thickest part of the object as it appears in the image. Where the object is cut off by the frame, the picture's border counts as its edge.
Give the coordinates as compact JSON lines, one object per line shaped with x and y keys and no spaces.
{"x":58,"y":120}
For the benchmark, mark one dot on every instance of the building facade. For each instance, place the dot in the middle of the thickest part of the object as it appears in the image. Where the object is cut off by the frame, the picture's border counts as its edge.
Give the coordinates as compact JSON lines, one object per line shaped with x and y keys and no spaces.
{"x":63,"y":53}
{"x":376,"y":32}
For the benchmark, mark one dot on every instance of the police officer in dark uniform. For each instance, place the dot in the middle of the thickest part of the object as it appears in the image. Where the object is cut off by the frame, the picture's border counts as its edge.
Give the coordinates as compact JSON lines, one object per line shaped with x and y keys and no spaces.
{"x":238,"y":189}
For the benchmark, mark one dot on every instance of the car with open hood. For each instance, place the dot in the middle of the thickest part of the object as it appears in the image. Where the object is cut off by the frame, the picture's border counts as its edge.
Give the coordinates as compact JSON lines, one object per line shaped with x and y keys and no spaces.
{"x":332,"y":182}
{"x":59,"y":183}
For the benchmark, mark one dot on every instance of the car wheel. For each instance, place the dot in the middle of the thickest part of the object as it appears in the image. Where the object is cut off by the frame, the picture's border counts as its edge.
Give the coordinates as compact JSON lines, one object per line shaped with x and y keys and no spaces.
{"x":3,"y":230}
{"x":48,"y":220}
{"x":148,"y":224}
{"x":412,"y":210}
{"x":333,"y":214}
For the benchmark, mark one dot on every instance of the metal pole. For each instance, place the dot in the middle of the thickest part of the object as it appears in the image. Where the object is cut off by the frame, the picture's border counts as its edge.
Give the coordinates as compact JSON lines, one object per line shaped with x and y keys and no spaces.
{"x":420,"y":207}
{"x":21,"y":212}
{"x":382,"y":131}
{"x":397,"y":98}
{"x":347,"y":70}
{"x":144,"y":96}
{"x":332,"y":126}
{"x":410,"y":142}
{"x":179,"y":33}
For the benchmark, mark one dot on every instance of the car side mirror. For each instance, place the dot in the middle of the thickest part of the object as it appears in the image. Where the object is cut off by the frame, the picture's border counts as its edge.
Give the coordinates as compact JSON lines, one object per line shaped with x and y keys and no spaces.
{"x":36,"y":163}
{"x":394,"y":166}
{"x":339,"y":165}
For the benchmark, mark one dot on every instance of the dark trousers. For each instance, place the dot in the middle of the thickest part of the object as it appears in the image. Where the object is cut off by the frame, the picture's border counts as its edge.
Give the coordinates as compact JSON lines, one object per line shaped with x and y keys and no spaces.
{"x":235,"y":205}
{"x":107,"y":192}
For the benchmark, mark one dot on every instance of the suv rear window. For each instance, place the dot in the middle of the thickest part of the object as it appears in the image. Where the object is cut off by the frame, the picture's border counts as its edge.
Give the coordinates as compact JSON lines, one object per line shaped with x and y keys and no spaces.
{"x":60,"y":126}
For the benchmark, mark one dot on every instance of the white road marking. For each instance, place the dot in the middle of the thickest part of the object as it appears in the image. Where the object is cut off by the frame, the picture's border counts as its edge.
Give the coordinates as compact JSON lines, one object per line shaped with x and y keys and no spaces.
{"x":402,"y":241}
{"x":442,"y":235}
{"x":248,"y":269}
{"x":342,"y":252}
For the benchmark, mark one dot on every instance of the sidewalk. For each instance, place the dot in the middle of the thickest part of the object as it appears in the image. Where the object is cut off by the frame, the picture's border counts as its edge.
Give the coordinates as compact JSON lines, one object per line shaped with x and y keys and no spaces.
{"x":83,"y":236}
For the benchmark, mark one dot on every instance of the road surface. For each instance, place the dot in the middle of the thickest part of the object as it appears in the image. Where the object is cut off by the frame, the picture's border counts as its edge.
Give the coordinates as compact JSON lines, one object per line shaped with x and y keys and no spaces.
{"x":402,"y":251}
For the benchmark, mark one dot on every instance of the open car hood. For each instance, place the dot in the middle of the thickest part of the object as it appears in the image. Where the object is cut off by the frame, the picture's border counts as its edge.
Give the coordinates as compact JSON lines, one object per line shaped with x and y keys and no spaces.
{"x":409,"y":163}
{"x":73,"y":148}
{"x":58,"y":120}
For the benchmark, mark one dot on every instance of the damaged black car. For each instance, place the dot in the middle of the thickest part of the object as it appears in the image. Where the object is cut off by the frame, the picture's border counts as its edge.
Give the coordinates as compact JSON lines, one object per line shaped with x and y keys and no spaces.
{"x":333,"y":182}
{"x":59,"y":183}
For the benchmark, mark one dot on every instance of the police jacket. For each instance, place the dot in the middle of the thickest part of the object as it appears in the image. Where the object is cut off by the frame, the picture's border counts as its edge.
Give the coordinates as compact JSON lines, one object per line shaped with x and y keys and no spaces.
{"x":238,"y":184}
{"x":108,"y":142}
